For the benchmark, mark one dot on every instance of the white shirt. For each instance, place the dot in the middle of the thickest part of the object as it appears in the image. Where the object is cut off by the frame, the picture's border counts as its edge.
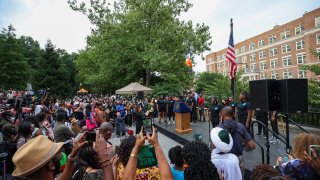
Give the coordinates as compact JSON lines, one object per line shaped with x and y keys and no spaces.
{"x":38,"y":109}
{"x":228,"y":164}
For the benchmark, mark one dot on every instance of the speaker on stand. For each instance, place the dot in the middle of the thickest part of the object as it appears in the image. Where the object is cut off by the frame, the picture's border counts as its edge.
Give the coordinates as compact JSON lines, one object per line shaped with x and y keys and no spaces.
{"x":287,"y":96}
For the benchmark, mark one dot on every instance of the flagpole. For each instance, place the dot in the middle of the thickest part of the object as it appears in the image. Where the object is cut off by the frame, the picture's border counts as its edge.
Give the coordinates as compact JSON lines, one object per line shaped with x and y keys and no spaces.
{"x":233,"y":84}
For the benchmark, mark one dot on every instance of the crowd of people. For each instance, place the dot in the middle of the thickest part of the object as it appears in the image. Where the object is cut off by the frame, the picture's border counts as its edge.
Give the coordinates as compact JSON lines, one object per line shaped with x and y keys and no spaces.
{"x":46,"y":138}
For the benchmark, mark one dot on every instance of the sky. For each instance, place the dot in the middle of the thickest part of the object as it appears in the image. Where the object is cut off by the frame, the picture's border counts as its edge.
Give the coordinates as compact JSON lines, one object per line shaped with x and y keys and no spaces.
{"x":55,"y":20}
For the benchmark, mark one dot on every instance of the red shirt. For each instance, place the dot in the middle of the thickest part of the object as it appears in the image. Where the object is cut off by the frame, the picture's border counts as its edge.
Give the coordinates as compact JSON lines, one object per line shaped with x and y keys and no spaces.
{"x":201,"y":101}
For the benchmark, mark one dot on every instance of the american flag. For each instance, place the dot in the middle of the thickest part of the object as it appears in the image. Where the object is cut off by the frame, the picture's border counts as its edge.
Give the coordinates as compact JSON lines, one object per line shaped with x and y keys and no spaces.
{"x":231,"y":56}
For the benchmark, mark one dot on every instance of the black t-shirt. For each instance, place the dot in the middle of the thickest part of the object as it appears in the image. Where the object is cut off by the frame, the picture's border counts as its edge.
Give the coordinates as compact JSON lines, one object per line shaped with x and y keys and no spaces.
{"x":261,"y":115}
{"x":242,"y":108}
{"x":190,"y":101}
{"x":162,"y":103}
{"x":215,"y":110}
{"x":170,"y":104}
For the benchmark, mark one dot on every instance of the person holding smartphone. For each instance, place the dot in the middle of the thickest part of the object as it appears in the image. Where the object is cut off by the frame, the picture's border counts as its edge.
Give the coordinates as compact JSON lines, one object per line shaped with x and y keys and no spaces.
{"x":298,"y":167}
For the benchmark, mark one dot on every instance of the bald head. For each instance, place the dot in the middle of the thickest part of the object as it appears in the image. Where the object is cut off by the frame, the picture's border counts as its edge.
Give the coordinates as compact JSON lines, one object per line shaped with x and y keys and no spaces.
{"x":105,"y":130}
{"x":227,"y":112}
{"x":105,"y":126}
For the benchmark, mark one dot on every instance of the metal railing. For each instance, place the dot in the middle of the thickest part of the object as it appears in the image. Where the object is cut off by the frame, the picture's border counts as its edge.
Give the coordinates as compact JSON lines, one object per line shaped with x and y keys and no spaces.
{"x":284,"y":139}
{"x":267,"y":144}
{"x":309,"y":119}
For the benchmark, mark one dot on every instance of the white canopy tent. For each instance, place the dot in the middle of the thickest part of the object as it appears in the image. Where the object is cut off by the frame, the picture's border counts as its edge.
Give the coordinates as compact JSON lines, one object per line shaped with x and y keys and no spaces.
{"x":134,"y":88}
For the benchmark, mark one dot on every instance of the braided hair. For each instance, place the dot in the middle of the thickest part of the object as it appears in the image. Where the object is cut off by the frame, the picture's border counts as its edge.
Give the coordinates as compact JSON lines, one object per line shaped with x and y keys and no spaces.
{"x":201,"y":170}
{"x":263,"y":172}
{"x":87,"y":157}
{"x":125,"y":149}
{"x":195,"y":151}
{"x":197,"y":155}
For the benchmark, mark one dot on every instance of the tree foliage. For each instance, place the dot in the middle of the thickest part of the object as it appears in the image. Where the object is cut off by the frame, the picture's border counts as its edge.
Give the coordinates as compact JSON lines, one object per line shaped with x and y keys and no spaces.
{"x":217,"y":85}
{"x":23,"y":61}
{"x":14,"y":69}
{"x":56,"y":71}
{"x":313,"y":86}
{"x":138,"y":40}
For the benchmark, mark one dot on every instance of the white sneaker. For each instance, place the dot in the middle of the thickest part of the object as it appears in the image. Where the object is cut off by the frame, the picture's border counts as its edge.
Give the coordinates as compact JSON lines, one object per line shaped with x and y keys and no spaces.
{"x":173,"y":122}
{"x":169,"y":123}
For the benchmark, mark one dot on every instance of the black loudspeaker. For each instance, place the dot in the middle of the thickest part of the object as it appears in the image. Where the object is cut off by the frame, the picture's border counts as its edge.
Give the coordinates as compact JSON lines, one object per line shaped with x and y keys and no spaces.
{"x":140,"y":94}
{"x":264,"y":95}
{"x":294,"y":95}
{"x":288,"y":95}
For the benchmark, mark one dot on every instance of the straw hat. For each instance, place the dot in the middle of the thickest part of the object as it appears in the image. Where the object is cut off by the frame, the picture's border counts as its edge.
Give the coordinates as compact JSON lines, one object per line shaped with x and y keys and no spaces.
{"x":74,"y":120}
{"x":221,"y":139}
{"x":33,"y":155}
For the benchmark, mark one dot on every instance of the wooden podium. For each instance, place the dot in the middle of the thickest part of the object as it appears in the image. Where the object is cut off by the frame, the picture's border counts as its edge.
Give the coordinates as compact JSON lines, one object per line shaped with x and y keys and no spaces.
{"x":182,"y":116}
{"x":183,"y":123}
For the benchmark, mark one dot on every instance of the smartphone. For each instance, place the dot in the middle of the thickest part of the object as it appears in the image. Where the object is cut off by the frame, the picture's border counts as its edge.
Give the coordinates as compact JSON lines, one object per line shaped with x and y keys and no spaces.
{"x":282,"y":153}
{"x":91,"y":136}
{"x":316,"y":149}
{"x":147,"y":126}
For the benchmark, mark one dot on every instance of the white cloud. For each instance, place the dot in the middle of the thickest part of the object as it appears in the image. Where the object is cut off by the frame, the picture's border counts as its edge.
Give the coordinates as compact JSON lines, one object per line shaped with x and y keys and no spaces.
{"x":55,"y":20}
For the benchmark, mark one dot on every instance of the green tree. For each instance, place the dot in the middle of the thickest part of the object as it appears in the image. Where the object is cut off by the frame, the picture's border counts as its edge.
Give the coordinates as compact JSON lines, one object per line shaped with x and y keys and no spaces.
{"x":137,"y":40}
{"x":53,"y":72}
{"x":313,"y":86}
{"x":33,"y":54}
{"x":217,"y":85}
{"x":14,"y":69}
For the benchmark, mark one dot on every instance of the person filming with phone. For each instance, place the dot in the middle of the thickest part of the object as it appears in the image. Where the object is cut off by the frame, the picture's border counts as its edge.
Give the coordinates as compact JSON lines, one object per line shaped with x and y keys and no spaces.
{"x":300,"y":164}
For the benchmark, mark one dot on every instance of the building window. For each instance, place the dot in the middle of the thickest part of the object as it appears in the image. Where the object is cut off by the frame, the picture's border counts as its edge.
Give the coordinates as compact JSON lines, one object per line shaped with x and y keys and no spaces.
{"x":274,"y":63}
{"x":253,"y":57}
{"x":287,"y":74}
{"x":224,"y":64}
{"x":318,"y":38}
{"x":237,"y":51}
{"x":252,"y":78}
{"x":263,"y":66}
{"x":274,"y":75}
{"x":286,"y":48}
{"x":244,"y":67}
{"x":261,"y":43}
{"x":219,"y":66}
{"x":318,"y":52}
{"x":224,"y":72}
{"x":285,"y":34}
{"x":287,"y":61}
{"x":251,"y":46}
{"x":244,"y":59}
{"x":262,"y":54}
{"x":298,"y":30}
{"x":209,"y":60}
{"x":243,"y":49}
{"x":301,"y":58}
{"x":263,"y":76}
{"x":253,"y":67}
{"x":273,"y":52}
{"x":237,"y":60}
{"x":272,"y":39}
{"x":300,"y":44}
{"x":317,"y":21}
{"x":302,"y":74}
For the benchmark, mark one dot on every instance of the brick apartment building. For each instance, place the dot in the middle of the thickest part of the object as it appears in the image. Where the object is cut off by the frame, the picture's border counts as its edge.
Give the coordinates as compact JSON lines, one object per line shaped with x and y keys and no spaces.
{"x":277,"y":53}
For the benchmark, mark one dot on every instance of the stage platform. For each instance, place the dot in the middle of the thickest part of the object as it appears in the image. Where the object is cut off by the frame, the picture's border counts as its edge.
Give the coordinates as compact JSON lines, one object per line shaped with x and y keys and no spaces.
{"x":252,"y":158}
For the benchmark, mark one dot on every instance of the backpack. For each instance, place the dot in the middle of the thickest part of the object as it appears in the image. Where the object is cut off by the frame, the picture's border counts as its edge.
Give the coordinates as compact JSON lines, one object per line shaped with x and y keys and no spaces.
{"x":233,"y":128}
